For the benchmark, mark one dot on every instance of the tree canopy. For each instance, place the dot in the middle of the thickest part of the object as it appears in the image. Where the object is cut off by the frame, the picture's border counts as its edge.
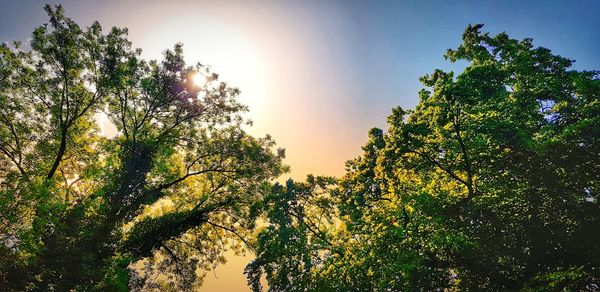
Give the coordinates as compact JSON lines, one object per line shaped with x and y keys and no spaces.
{"x":491,"y":183}
{"x":163,"y":197}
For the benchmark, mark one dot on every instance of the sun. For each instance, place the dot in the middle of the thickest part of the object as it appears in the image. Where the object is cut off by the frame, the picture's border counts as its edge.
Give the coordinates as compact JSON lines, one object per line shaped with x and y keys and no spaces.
{"x":197,"y":79}
{"x":226,"y":49}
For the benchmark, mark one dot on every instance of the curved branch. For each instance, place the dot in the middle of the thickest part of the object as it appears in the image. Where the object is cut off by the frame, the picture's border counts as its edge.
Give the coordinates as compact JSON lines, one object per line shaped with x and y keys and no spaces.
{"x":236,"y":234}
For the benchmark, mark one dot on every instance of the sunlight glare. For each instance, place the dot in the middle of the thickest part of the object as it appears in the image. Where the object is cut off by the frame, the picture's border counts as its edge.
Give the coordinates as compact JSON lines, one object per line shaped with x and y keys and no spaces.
{"x":198,"y":79}
{"x":225,"y":48}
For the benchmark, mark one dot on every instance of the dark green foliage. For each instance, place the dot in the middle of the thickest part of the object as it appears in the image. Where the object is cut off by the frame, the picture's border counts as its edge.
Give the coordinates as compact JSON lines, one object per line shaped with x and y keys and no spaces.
{"x":289,"y":247}
{"x":490,"y":183}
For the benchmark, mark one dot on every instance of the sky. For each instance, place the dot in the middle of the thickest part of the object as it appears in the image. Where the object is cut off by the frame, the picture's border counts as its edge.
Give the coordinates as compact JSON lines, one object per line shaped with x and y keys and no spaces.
{"x":317,"y":75}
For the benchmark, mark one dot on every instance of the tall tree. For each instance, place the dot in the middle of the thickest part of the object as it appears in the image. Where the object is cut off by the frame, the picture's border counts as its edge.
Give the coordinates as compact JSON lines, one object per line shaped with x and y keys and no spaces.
{"x":164,"y":196}
{"x":490,"y":183}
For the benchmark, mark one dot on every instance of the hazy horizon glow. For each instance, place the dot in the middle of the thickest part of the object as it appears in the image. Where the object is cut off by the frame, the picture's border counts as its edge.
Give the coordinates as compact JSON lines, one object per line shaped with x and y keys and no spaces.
{"x":317,"y":75}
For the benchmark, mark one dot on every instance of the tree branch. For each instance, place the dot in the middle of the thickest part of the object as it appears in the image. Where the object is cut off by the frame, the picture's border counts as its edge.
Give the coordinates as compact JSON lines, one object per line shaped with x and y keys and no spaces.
{"x":236,"y":234}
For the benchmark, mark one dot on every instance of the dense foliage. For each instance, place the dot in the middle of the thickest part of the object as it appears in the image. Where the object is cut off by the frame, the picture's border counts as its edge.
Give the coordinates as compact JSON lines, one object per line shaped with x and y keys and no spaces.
{"x":149,"y":208}
{"x":491,"y":183}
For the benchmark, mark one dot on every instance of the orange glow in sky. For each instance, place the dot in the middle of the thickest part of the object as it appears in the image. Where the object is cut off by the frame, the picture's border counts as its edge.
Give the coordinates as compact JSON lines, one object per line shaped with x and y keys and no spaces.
{"x":270,"y":64}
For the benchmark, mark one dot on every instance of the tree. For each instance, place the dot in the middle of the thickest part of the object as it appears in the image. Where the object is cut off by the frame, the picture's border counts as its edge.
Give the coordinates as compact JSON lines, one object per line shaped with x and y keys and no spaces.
{"x":295,"y":242}
{"x":490,"y":183}
{"x":164,"y":196}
